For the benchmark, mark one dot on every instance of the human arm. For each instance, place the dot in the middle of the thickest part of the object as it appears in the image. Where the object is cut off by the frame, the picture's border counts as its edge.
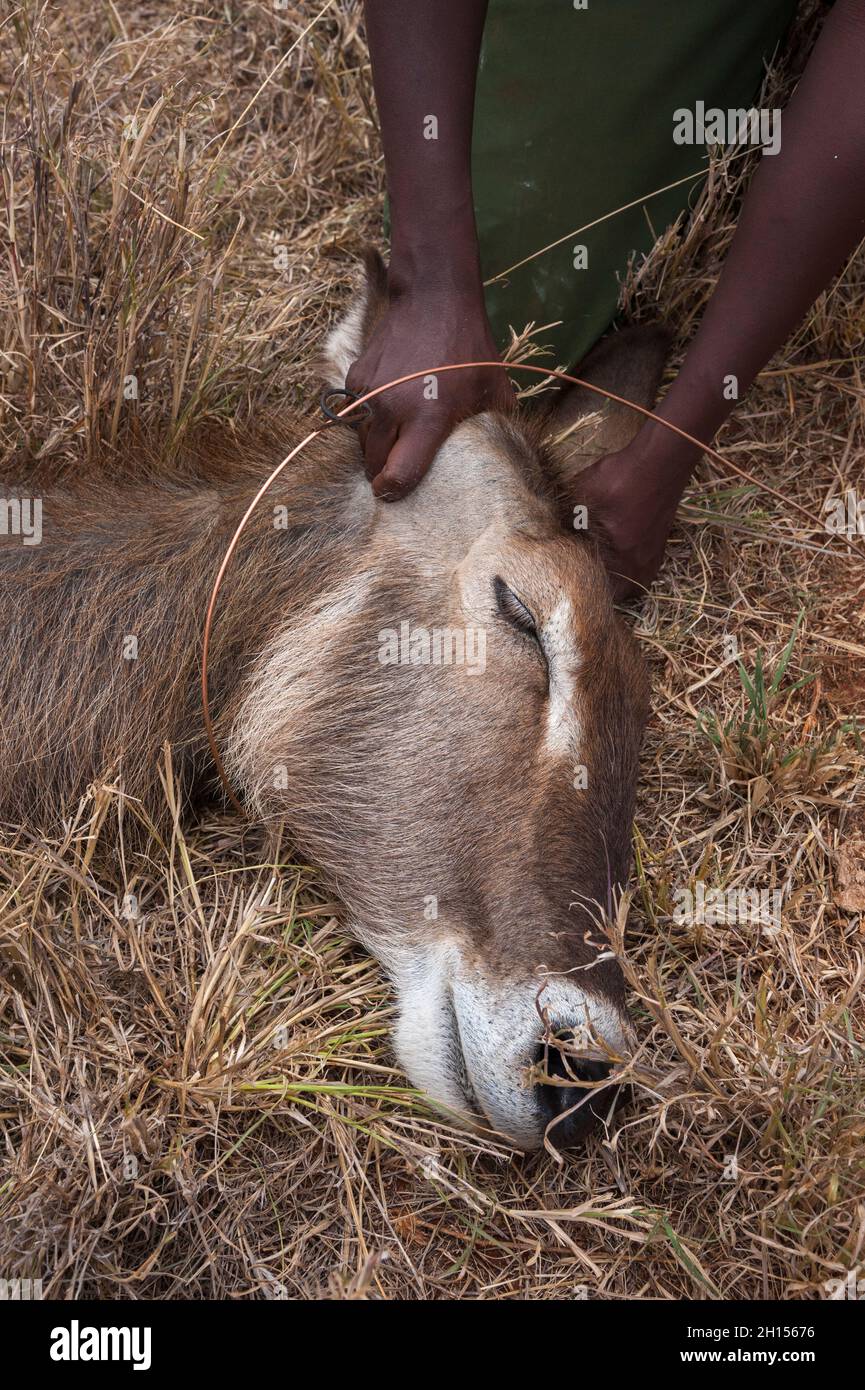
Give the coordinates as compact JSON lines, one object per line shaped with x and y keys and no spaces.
{"x":424,"y":59}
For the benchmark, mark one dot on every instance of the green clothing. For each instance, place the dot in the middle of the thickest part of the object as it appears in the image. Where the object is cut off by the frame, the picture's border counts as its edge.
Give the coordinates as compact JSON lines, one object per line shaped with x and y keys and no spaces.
{"x":575,"y":118}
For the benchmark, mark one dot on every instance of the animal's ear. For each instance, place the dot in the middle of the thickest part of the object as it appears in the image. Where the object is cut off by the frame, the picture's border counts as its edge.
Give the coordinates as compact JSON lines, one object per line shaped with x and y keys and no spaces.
{"x":346,"y":340}
{"x":583,"y":426}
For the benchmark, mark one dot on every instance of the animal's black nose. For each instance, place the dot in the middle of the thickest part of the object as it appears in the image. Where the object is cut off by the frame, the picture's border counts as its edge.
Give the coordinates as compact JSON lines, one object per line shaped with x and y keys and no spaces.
{"x":581,"y":1109}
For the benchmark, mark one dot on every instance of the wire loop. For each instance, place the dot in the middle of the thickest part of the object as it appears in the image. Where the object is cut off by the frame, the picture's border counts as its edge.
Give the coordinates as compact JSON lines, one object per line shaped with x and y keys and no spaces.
{"x":351,"y":398}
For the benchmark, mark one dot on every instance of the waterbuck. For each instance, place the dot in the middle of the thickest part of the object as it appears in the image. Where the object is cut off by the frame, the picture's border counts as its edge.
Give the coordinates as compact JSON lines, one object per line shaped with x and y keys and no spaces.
{"x":434,"y":696}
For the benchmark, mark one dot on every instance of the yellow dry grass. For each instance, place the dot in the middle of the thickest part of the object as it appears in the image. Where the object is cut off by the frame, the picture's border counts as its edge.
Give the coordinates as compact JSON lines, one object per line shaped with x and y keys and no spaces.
{"x":197,"y":1094}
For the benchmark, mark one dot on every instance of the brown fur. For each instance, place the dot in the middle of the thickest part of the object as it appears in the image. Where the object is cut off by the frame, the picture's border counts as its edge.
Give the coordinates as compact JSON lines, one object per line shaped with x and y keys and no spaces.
{"x":139,"y":558}
{"x":404,"y":783}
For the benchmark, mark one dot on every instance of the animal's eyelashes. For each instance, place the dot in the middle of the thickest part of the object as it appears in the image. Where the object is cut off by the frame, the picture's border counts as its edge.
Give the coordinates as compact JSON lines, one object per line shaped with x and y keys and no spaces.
{"x":519,"y":615}
{"x":513,"y":609}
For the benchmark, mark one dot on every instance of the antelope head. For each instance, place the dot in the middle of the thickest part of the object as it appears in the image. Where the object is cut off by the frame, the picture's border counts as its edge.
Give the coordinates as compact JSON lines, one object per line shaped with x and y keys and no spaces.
{"x":452,"y":731}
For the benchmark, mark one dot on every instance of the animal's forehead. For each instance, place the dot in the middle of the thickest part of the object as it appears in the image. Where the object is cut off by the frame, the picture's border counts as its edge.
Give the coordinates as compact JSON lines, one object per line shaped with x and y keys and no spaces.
{"x":493,"y":452}
{"x":486,"y":474}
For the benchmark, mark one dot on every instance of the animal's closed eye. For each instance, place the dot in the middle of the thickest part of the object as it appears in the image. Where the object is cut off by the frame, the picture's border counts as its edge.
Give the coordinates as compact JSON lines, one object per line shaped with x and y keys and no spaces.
{"x":514,"y":610}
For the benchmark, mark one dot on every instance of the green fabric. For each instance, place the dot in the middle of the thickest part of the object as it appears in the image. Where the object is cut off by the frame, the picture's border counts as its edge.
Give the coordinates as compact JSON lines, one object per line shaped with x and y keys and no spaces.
{"x":574,"y":118}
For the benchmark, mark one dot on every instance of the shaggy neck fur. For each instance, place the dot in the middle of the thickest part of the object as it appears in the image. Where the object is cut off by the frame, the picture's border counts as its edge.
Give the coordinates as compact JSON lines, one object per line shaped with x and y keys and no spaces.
{"x":101,"y":623}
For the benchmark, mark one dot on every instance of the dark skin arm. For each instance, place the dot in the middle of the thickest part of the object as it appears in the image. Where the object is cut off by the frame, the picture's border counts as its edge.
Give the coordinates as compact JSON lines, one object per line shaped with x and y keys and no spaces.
{"x":425,"y":59}
{"x":803,"y":216}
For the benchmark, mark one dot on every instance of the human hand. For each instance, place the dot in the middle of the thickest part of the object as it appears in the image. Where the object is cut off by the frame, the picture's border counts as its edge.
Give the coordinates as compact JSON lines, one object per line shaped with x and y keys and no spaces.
{"x":631,"y":504}
{"x":424,"y":327}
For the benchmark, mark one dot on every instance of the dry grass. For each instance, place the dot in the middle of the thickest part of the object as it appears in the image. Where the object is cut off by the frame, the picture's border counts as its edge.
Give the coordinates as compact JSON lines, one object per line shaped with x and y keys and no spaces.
{"x":196,"y":1089}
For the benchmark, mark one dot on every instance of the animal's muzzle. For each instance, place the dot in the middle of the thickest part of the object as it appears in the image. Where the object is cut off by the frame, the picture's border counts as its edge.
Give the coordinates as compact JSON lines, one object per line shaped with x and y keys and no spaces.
{"x":571,"y":1110}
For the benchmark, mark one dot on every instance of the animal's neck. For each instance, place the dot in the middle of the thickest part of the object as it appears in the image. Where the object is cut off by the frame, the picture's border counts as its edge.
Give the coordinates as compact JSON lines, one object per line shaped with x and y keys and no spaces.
{"x":120,"y":585}
{"x":309,"y":530}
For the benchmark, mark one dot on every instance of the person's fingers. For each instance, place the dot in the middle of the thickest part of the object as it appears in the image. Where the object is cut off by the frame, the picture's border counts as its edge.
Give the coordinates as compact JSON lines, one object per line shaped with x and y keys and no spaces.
{"x":407,"y":462}
{"x":500,"y":394}
{"x":623,"y":588}
{"x":354,"y":379}
{"x":377,"y":444}
{"x":354,"y":382}
{"x":363,"y":430}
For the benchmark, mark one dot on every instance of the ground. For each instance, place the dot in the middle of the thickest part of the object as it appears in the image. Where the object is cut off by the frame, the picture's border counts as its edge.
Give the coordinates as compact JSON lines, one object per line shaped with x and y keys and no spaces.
{"x":200,"y":1100}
